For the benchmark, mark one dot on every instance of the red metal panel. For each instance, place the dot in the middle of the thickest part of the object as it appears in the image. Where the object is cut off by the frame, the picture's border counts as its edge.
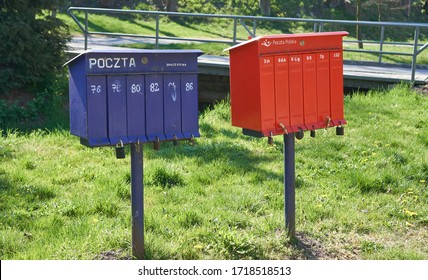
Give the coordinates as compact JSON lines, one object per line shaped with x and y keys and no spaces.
{"x":245,"y":87}
{"x":310,"y":91}
{"x":282,"y":94}
{"x":267,"y":95}
{"x":323,"y":89}
{"x":300,"y":42}
{"x":296,"y":92}
{"x":336,"y":86}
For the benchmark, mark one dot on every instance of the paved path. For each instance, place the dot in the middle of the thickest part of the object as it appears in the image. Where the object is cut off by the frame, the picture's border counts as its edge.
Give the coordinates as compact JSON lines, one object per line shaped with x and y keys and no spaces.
{"x":219,"y":65}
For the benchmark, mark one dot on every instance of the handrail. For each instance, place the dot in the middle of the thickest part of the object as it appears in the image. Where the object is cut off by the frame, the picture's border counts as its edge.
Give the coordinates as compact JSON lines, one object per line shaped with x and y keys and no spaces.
{"x":239,"y":19}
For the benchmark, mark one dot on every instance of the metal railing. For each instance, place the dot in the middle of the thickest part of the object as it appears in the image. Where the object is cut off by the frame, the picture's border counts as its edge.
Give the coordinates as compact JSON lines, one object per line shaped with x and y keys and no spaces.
{"x":318,"y":26}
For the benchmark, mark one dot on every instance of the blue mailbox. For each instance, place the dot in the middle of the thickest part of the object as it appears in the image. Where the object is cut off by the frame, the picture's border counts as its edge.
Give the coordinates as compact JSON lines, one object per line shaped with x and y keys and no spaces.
{"x":133,"y":96}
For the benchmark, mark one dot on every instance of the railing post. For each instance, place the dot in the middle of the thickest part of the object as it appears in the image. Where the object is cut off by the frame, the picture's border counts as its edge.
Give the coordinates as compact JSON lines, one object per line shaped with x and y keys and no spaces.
{"x":235,"y":26}
{"x":86,"y":30}
{"x":254,"y":27}
{"x":415,"y":54}
{"x":157,"y":33}
{"x":382,"y":38}
{"x":315,"y":26}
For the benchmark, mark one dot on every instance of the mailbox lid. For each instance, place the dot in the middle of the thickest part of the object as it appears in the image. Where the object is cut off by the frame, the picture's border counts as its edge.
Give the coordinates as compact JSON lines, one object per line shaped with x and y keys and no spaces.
{"x":137,"y":61}
{"x":303,"y":42}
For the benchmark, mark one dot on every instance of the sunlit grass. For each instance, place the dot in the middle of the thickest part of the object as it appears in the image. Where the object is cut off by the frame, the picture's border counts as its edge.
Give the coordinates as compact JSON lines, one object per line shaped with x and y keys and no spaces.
{"x":363,"y":195}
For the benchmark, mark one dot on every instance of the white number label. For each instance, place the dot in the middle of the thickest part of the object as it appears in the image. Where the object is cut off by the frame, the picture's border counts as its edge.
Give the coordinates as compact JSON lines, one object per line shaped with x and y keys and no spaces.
{"x":295,"y":59}
{"x":336,"y":55}
{"x":135,"y":88}
{"x":189,"y":86}
{"x":282,"y":59}
{"x":322,"y":56}
{"x":95,"y":89}
{"x":154,"y":87}
{"x":266,"y":60}
{"x":308,"y":57}
{"x":116,"y":86}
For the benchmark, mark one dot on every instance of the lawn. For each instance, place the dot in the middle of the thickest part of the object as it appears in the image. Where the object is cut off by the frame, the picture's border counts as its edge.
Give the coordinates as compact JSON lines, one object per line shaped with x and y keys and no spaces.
{"x":360,"y":196}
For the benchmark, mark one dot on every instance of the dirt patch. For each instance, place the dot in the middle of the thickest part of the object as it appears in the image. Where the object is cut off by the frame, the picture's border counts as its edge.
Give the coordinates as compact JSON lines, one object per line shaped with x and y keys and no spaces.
{"x":421,"y":89}
{"x":113,"y":255}
{"x":313,"y":249}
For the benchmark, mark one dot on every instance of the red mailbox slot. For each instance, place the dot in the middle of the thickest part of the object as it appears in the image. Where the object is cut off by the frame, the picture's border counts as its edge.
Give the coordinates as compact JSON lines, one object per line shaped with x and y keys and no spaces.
{"x":287,"y":83}
{"x":336,"y":86}
{"x":323,"y":89}
{"x":282,"y":94}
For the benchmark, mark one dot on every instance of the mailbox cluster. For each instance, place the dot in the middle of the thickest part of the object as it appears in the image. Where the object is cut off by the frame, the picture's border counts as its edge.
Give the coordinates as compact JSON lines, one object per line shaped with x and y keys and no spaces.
{"x":134,"y":96}
{"x":287,"y":83}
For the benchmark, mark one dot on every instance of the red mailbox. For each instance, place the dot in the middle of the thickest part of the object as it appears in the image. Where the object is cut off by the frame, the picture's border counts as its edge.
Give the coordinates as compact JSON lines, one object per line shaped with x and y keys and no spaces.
{"x":287,"y":83}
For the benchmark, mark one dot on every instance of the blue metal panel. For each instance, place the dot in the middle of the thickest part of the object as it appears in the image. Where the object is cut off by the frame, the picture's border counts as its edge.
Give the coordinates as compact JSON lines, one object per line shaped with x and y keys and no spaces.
{"x":143,"y":61}
{"x":116,"y":100}
{"x":136,"y":111}
{"x":154,"y":107}
{"x":97,"y":111}
{"x":77,"y":101}
{"x":189,"y":105}
{"x":172,"y":106}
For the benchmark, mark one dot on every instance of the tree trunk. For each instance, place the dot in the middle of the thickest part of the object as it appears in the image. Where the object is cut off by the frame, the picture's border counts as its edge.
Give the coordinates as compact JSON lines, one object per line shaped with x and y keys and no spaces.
{"x":264,"y":7}
{"x":171,"y":5}
{"x":359,"y":34}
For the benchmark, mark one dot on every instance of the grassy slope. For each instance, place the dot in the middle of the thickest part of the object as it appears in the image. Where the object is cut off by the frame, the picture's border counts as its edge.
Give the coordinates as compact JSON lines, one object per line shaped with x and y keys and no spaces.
{"x":363,"y":195}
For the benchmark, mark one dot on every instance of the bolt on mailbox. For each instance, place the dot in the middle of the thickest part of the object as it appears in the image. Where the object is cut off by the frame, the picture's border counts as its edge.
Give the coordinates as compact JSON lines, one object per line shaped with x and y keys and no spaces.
{"x":133,"y":96}
{"x":287,"y":83}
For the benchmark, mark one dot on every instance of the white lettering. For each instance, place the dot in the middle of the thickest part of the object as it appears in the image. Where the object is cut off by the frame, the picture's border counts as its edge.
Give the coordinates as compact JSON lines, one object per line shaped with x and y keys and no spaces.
{"x":112,"y":62}
{"x":109,"y":62}
{"x":92,"y":62}
{"x":132,"y":62}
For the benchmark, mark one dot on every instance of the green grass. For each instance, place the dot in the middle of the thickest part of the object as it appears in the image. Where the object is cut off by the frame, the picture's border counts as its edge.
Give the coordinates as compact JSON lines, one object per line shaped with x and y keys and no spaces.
{"x":361,"y":196}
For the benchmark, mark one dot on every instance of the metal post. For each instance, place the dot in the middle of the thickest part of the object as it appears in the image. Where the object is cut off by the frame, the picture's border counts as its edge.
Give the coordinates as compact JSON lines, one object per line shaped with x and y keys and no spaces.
{"x":415,"y":54}
{"x":382,"y":39}
{"x":289,"y":185}
{"x":86,"y":30}
{"x":235,"y":26}
{"x":137,"y":200}
{"x":157,"y":33}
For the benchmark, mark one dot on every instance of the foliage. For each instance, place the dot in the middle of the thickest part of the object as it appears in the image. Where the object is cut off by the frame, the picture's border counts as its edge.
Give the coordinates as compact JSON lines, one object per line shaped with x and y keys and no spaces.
{"x":33,"y":44}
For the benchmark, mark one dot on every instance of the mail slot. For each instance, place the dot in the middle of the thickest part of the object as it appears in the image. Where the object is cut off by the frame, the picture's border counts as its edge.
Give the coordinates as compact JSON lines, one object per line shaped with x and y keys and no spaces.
{"x":133,"y":96}
{"x":287,"y":83}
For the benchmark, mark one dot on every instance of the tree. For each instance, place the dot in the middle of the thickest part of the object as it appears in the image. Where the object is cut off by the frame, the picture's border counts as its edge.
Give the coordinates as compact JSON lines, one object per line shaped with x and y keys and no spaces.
{"x":171,"y":5}
{"x":358,"y":27}
{"x":32,"y":43}
{"x":264,"y":7}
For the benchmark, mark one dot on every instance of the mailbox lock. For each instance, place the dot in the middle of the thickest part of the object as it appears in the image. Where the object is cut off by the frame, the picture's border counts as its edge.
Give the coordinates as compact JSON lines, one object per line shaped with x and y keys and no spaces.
{"x":313,"y":132}
{"x":300,"y":134}
{"x":340,"y":130}
{"x":175,"y":141}
{"x":144,"y":60}
{"x":192,"y":140}
{"x":120,"y":150}
{"x":327,"y":121}
{"x":283,"y":127}
{"x":270,"y":139}
{"x":156,"y":144}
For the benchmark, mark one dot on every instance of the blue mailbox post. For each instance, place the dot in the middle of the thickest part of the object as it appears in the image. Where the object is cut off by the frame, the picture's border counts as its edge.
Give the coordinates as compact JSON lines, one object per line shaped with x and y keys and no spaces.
{"x":134,"y":97}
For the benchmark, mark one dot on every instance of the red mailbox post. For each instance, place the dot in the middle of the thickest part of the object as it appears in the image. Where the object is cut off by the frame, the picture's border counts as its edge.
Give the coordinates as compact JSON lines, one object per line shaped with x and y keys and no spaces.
{"x":284,"y":85}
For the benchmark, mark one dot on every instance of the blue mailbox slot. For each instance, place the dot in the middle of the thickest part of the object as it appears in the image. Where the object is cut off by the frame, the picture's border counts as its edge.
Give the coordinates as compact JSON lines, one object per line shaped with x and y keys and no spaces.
{"x":135,"y":103}
{"x":154,"y":107}
{"x":117,"y":114}
{"x":133,"y":96}
{"x":172,"y":106}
